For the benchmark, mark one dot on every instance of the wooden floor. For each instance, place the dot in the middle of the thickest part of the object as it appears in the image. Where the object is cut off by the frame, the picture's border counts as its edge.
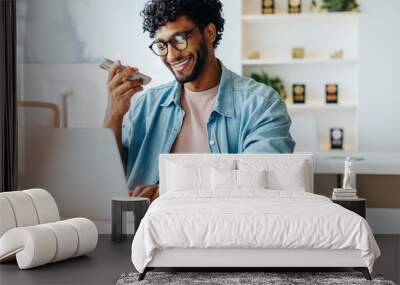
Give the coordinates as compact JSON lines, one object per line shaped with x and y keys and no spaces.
{"x":110,"y":260}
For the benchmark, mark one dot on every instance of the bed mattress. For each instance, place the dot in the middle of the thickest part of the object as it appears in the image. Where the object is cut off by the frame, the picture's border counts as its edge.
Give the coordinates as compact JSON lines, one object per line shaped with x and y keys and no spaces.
{"x":250,"y":219}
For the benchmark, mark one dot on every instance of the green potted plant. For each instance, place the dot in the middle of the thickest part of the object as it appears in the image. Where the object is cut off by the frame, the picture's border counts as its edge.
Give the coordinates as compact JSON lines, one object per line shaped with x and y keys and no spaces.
{"x":336,"y":5}
{"x":275,"y":82}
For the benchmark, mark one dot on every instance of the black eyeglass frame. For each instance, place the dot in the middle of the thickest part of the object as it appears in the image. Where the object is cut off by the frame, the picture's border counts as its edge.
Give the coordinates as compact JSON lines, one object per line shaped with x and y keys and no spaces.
{"x":186,"y":36}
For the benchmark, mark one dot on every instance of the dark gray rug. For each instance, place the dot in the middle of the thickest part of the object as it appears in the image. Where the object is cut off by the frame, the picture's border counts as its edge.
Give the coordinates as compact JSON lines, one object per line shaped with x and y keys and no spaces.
{"x":268,"y":278}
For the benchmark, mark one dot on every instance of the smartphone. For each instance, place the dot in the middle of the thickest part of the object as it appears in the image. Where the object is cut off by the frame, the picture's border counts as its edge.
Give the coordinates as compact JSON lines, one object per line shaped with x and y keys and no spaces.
{"x":107,"y":63}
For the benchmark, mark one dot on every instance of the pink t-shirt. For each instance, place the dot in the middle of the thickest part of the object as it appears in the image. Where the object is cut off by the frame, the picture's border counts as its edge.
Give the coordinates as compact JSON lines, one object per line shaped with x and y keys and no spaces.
{"x":193,"y":137}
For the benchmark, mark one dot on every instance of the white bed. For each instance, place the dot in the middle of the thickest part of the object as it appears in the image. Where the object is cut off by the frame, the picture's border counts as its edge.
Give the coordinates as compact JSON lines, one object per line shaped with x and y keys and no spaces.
{"x":203,"y":220}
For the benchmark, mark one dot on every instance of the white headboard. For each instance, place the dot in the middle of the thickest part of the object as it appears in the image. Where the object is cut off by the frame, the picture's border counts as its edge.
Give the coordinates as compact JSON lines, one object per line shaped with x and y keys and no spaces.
{"x":192,"y":157}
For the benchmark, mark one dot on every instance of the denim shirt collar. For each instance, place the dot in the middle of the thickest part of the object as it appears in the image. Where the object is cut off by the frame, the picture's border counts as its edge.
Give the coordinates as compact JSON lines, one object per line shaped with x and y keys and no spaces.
{"x":224,"y":104}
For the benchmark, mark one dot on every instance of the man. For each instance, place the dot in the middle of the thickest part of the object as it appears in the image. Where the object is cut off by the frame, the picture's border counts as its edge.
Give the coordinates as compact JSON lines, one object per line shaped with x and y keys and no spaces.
{"x":207,"y":109}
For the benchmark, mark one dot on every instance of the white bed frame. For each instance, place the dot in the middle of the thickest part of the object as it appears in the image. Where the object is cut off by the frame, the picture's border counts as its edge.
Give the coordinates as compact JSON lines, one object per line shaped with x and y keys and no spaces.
{"x":234,"y":257}
{"x":252,"y":258}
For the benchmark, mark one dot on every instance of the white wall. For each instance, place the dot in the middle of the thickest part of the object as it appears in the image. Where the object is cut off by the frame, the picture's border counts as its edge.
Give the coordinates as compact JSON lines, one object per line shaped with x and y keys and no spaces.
{"x":229,"y":50}
{"x":379,"y":73}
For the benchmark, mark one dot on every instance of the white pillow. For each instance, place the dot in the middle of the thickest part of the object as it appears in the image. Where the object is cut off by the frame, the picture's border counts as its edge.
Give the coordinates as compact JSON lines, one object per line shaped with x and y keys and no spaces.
{"x":236,"y":179}
{"x":282,"y":174}
{"x":181,"y":177}
{"x":184,"y":175}
{"x":223,"y":179}
{"x":288,"y":179}
{"x":251,"y":178}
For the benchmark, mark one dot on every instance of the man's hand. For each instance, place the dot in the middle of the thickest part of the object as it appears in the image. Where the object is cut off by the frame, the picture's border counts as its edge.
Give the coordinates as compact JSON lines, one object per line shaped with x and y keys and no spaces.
{"x":147,"y":191}
{"x":120,"y":91}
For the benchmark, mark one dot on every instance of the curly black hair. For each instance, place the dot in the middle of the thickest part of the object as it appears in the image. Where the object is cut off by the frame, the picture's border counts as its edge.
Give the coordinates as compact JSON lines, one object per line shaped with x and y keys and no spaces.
{"x":157,"y":13}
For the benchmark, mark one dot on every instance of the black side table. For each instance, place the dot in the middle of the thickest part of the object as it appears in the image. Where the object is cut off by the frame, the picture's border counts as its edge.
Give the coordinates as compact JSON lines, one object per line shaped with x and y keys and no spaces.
{"x":358,"y":206}
{"x":137,"y":205}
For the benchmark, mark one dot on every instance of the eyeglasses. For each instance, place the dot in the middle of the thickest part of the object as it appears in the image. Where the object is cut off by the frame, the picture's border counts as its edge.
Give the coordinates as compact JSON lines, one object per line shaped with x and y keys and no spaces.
{"x":178,"y":41}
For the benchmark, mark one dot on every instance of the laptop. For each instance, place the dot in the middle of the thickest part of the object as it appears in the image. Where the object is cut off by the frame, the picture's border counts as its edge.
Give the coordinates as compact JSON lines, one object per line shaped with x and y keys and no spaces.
{"x":80,"y":167}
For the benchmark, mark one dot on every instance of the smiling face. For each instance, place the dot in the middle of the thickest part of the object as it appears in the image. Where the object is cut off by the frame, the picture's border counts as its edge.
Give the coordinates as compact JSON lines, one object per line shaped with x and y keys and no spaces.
{"x":188,"y":64}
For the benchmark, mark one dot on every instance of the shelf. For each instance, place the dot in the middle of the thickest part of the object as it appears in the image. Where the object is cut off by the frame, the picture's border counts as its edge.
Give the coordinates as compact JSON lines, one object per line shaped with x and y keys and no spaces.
{"x":301,"y":16}
{"x":337,"y":154}
{"x":320,"y":34}
{"x":321,"y":107}
{"x":287,"y":61}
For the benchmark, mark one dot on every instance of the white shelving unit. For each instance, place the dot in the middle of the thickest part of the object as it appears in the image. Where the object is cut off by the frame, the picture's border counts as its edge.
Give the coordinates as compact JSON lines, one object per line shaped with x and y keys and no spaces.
{"x":320,"y":34}
{"x":302,"y":16}
{"x":321,"y":107}
{"x":282,"y":61}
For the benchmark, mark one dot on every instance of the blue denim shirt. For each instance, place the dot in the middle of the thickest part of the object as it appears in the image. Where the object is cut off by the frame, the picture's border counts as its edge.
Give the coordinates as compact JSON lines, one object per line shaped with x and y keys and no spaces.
{"x":247,"y":117}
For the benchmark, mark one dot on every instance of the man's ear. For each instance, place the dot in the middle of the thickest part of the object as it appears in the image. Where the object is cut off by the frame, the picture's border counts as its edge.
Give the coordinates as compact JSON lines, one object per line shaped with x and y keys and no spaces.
{"x":210,"y":33}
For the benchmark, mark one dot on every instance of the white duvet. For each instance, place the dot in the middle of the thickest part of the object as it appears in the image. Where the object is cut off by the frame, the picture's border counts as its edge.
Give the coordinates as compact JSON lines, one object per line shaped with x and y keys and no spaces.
{"x":253,"y":218}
